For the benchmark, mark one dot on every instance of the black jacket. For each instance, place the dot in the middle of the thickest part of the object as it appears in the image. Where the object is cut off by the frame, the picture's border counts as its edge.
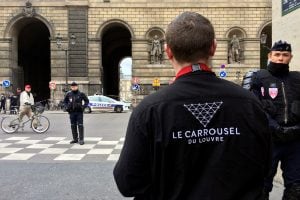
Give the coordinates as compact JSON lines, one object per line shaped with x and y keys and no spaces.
{"x":74,"y":101}
{"x":279,"y":93}
{"x":201,"y":138}
{"x":286,"y":88}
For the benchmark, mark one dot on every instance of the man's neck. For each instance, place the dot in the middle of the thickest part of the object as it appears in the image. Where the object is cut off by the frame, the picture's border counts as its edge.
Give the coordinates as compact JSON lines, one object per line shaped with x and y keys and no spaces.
{"x":178,"y":66}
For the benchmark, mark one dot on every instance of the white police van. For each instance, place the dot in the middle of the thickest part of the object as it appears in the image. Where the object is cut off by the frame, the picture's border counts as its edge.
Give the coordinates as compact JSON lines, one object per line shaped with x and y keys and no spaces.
{"x":104,"y":103}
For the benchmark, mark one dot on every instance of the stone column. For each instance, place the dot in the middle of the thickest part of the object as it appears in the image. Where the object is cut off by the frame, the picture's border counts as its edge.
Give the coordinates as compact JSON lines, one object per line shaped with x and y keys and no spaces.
{"x":94,"y":66}
{"x":8,"y":66}
{"x":58,"y":69}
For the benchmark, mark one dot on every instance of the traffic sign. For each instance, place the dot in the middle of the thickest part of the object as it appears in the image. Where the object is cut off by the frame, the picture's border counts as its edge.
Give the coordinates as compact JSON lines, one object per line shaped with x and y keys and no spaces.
{"x":223,"y":74}
{"x":156,"y":82}
{"x":136,"y":87}
{"x":52,"y":86}
{"x":6,"y":83}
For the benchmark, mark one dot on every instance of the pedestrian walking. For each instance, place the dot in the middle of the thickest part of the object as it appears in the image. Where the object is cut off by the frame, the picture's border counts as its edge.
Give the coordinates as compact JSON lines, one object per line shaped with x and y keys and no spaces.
{"x":3,"y":103}
{"x":278,"y":89}
{"x":74,"y":105}
{"x":15,"y":102}
{"x":201,"y":137}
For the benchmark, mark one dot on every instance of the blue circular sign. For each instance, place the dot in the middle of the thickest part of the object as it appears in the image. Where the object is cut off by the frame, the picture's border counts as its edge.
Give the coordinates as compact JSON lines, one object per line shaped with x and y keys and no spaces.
{"x":223,"y":74}
{"x":6,"y":83}
{"x":135,"y":87}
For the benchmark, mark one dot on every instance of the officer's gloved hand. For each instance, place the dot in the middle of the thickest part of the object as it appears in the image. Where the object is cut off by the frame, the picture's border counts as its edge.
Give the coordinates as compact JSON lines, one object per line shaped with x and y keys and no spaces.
{"x":291,"y":129}
{"x":278,"y":135}
{"x":286,"y":134}
{"x":279,"y":130}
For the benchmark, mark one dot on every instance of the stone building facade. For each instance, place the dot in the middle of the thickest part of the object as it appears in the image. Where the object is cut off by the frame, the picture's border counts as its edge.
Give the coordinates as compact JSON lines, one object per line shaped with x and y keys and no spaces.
{"x":286,"y":20}
{"x":107,"y":31}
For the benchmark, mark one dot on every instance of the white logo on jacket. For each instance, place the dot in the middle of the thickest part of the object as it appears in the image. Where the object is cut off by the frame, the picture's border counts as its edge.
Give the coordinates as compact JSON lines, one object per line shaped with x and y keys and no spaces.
{"x":204,"y":112}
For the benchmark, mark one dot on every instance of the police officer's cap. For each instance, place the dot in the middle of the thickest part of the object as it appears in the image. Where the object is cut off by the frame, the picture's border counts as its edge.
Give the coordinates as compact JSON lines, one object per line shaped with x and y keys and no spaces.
{"x":74,"y":83}
{"x":281,"y":46}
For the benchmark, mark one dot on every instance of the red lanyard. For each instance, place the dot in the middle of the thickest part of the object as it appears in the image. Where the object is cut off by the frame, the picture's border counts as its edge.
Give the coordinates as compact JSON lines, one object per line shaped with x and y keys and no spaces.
{"x":193,"y":68}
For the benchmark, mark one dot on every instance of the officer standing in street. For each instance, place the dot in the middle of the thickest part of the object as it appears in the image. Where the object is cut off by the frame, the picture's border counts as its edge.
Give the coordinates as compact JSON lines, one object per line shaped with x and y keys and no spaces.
{"x":74,"y":105}
{"x":279,"y":91}
{"x":3,"y":103}
{"x":200,"y":138}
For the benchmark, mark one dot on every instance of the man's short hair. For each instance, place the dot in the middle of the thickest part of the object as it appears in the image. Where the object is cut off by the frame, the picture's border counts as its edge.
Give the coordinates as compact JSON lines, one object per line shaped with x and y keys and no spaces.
{"x":190,"y":37}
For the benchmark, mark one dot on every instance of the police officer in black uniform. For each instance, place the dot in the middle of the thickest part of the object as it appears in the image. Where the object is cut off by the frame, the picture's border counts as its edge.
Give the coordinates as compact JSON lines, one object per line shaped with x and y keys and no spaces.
{"x":279,"y":91}
{"x":202,"y":137}
{"x":75,"y":106}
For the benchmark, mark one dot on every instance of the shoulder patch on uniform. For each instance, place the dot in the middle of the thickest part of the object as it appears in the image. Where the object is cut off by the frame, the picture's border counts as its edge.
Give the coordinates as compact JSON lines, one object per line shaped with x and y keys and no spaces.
{"x":247,"y":79}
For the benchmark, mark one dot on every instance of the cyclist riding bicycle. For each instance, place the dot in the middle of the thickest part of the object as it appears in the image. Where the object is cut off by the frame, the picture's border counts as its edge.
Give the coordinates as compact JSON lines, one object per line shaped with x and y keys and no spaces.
{"x":26,"y":101}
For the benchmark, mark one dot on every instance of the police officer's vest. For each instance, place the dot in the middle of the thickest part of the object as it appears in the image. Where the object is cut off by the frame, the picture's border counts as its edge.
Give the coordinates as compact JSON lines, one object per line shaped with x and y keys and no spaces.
{"x":75,"y":101}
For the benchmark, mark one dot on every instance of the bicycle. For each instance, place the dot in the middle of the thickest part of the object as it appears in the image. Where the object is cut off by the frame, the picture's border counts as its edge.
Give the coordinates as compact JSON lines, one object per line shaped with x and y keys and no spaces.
{"x":38,"y":122}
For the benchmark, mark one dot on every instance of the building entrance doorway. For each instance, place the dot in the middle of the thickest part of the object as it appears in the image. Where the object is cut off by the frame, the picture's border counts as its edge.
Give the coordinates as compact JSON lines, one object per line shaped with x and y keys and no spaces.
{"x":33,"y":56}
{"x":116,"y":44}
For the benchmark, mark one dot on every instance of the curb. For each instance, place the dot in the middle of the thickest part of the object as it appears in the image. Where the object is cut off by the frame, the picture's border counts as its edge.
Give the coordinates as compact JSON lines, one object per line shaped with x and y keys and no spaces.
{"x":55,"y":112}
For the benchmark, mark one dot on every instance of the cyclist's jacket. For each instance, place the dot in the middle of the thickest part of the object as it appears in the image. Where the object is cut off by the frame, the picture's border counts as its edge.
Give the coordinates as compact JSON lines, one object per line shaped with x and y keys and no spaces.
{"x":75,"y":101}
{"x":201,"y":138}
{"x":26,"y":98}
{"x":279,"y":92}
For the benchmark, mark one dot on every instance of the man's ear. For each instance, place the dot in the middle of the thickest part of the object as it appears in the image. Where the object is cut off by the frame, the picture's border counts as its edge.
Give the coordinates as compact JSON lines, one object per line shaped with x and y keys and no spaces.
{"x":213,"y":48}
{"x":169,"y":52}
{"x":269,"y":55}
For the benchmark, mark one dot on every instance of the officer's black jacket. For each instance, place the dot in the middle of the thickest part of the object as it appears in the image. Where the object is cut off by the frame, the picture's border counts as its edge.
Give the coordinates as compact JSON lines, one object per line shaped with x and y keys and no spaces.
{"x":178,"y":145}
{"x":74,"y":101}
{"x":282,"y":107}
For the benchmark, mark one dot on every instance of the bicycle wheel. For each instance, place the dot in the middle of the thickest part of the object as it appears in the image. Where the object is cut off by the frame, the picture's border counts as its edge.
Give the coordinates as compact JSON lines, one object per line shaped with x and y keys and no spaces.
{"x":10,"y":124}
{"x":40,"y":124}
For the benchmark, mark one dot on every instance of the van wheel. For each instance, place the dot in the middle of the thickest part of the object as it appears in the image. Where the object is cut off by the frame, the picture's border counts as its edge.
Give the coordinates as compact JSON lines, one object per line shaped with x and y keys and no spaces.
{"x":87,"y":110}
{"x":118,"y":109}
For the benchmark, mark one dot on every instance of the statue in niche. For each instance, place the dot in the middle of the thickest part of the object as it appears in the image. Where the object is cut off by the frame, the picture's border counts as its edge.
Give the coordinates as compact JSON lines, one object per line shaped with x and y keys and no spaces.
{"x":156,"y":51}
{"x":234,"y":50}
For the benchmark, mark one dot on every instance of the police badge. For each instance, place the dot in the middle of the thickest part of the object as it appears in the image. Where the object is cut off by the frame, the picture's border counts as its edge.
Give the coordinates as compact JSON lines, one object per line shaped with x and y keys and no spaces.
{"x":273,"y":92}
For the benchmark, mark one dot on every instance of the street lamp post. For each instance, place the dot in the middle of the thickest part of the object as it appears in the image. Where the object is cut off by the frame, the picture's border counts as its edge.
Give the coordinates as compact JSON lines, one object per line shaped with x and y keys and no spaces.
{"x":264,"y":50}
{"x":71,"y":42}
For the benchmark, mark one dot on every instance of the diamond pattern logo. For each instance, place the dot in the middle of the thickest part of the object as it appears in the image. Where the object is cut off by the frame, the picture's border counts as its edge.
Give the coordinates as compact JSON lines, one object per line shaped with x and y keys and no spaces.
{"x":204,"y":112}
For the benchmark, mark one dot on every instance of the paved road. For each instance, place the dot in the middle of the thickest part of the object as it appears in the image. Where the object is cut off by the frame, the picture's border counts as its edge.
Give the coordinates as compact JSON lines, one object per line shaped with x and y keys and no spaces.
{"x":45,"y":167}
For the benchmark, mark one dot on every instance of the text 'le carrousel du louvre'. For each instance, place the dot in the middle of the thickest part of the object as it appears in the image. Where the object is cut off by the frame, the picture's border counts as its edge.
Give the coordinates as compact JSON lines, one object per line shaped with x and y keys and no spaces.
{"x":204,"y":112}
{"x":205,"y":135}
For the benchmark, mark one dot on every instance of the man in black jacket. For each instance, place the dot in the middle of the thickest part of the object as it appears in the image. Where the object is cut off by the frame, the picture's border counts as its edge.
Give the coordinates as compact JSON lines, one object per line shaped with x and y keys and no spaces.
{"x":74,"y":105}
{"x":202,"y":137}
{"x":279,"y":91}
{"x":3,"y":103}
